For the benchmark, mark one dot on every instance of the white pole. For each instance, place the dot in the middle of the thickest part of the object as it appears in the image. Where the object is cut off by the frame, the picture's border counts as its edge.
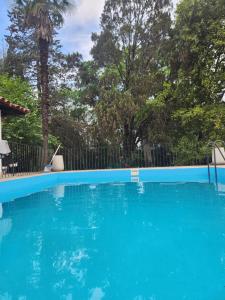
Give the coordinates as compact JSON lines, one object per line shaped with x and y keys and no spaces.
{"x":0,"y":140}
{"x":55,"y":154}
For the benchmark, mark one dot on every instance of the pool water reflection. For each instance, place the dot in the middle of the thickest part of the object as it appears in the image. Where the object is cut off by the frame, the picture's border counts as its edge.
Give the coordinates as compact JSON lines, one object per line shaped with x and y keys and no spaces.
{"x":115,"y":241}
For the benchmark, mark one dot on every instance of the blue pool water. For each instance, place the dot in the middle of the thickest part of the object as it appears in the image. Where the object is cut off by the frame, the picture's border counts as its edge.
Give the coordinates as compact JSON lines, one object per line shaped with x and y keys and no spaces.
{"x":139,"y":241}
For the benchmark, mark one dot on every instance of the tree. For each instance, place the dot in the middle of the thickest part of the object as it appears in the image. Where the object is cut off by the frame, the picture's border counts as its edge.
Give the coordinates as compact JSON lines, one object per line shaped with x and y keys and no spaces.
{"x":24,"y":129}
{"x":198,"y":69}
{"x":22,"y":52}
{"x":198,"y":59}
{"x":88,"y":83}
{"x":23,"y":60}
{"x":44,"y":16}
{"x":130,"y":50}
{"x":191,"y":106}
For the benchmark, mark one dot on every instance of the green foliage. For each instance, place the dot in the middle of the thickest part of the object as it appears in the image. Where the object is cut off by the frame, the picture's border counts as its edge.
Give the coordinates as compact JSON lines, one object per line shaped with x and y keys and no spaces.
{"x":87,"y":82}
{"x":188,"y":151}
{"x":193,"y":111}
{"x":198,"y":59}
{"x":199,"y":88}
{"x":206,"y":123}
{"x":128,"y":51}
{"x":22,"y":129}
{"x":150,"y":81}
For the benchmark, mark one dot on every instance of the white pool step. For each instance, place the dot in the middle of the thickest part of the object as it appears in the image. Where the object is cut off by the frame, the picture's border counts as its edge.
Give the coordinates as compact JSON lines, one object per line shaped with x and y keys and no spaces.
{"x":135,"y":175}
{"x":134,"y":172}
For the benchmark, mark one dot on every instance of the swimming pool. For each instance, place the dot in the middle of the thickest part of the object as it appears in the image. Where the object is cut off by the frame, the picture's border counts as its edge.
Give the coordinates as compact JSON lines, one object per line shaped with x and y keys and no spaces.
{"x":108,"y":235}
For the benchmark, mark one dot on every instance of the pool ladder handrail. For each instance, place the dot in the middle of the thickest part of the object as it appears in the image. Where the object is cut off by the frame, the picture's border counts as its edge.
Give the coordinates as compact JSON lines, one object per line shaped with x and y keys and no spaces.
{"x":214,"y":145}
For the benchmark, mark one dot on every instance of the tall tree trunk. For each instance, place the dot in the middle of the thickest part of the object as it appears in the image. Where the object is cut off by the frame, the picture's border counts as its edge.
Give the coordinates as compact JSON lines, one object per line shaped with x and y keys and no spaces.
{"x":44,"y":81}
{"x":128,"y":139}
{"x":38,"y":78}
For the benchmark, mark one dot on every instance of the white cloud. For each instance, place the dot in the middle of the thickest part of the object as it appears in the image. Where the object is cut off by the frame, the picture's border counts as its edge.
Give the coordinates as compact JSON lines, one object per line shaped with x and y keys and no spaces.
{"x":79,"y":24}
{"x":84,"y":12}
{"x":80,"y":42}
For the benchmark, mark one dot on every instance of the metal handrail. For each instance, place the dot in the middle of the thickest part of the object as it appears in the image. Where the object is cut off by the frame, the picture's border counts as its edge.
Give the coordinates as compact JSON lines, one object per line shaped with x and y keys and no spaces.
{"x":214,"y":145}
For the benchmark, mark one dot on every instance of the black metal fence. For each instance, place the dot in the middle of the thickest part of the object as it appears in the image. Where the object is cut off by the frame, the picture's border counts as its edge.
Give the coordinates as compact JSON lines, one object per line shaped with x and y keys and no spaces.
{"x":116,"y":157}
{"x":23,"y":160}
{"x":27,"y":159}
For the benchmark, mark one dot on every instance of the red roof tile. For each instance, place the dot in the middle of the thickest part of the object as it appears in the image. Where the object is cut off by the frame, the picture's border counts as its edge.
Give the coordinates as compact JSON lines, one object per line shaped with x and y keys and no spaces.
{"x":10,"y":108}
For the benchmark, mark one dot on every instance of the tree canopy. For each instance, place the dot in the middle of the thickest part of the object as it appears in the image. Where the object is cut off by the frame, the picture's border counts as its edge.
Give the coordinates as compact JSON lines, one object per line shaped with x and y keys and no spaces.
{"x":155,"y":77}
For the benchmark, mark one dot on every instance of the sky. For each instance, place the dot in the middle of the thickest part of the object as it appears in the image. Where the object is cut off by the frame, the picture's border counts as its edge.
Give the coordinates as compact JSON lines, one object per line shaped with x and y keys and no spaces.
{"x":79,"y":24}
